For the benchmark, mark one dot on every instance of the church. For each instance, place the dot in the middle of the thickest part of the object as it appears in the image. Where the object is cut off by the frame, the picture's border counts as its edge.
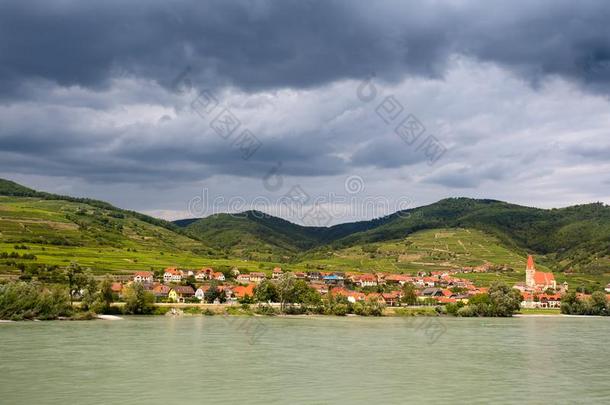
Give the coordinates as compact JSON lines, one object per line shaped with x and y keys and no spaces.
{"x":538,"y":280}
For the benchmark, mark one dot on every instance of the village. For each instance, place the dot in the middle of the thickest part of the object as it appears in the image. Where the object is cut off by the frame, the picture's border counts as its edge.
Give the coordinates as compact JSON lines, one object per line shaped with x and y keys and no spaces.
{"x":175,"y":285}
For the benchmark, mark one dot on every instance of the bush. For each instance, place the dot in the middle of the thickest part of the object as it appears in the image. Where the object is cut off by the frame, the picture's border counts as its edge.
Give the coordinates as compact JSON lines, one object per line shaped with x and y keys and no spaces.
{"x":340,"y":309}
{"x":501,"y":301}
{"x":20,"y":300}
{"x":453,"y":308}
{"x":265,"y":310}
{"x":161,"y":310}
{"x":468,"y":311}
{"x":138,"y":301}
{"x":597,"y":304}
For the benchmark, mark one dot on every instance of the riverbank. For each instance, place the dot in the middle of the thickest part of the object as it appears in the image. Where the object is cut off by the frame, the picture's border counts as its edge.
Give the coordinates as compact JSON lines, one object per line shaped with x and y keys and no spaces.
{"x":234,"y":309}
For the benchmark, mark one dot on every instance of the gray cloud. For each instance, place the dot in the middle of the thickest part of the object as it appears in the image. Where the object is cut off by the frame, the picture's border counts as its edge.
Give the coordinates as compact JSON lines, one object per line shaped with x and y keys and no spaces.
{"x":264,"y":44}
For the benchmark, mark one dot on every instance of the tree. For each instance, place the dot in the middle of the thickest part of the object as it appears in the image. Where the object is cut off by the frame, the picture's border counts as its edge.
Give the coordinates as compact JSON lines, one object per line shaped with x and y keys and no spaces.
{"x":504,"y":300}
{"x":104,"y":297}
{"x":285,"y":285}
{"x":599,"y":303}
{"x":266,"y":291}
{"x":569,"y":303}
{"x":21,"y":300}
{"x":80,"y":281}
{"x":190,"y":280}
{"x":138,"y":301}
{"x":213,"y":293}
{"x":409,"y":294}
{"x":501,"y":300}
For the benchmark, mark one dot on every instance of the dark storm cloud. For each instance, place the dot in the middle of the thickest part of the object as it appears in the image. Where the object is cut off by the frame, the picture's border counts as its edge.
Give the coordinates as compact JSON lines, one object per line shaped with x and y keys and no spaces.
{"x":273,"y":44}
{"x":86,"y":93}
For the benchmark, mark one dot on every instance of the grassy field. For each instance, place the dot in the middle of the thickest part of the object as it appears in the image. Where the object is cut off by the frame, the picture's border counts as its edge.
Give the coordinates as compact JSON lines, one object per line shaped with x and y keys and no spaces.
{"x":59,"y":232}
{"x":423,"y":251}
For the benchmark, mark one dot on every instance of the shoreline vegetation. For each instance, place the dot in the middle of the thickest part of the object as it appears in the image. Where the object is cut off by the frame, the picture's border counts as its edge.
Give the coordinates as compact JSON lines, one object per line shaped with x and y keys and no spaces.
{"x":21,"y":300}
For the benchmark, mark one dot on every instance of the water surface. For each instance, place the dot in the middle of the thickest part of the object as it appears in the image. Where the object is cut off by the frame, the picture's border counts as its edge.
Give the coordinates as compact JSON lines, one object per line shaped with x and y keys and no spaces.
{"x":209,"y":360}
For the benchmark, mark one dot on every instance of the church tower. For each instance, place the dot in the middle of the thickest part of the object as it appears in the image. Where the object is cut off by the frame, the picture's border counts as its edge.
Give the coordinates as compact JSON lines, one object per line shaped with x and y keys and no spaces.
{"x":530,"y":270}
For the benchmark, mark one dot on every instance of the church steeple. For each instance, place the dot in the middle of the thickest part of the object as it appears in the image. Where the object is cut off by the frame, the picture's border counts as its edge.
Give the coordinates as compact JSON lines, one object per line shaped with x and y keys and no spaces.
{"x":530,"y":270}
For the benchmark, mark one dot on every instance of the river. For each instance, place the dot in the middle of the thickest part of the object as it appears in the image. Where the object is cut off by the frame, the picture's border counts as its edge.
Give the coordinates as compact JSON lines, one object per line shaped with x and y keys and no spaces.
{"x":211,"y":360}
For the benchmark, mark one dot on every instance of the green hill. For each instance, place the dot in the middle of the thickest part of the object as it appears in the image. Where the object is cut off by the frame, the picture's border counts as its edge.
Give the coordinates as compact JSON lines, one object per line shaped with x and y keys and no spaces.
{"x":457,"y":232}
{"x":573,"y":238}
{"x":254,"y":235}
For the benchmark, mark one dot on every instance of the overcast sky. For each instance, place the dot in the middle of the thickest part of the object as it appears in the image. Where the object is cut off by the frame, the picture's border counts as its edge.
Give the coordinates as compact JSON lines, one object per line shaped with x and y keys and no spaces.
{"x":184,"y":109}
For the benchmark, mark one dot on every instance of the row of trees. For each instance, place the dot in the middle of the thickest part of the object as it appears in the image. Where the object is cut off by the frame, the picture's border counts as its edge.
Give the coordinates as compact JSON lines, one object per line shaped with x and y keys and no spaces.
{"x":297,"y":297}
{"x":28,"y":299}
{"x":22,"y":300}
{"x":596,"y":304}
{"x":500,"y":301}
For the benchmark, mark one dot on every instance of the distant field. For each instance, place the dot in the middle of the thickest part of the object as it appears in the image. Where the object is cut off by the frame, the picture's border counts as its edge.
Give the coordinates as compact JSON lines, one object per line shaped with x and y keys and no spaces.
{"x":59,"y":232}
{"x":423,"y":251}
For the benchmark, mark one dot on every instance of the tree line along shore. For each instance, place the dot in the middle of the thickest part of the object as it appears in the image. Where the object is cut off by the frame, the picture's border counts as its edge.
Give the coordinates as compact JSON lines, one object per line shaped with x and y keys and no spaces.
{"x":78,"y":295}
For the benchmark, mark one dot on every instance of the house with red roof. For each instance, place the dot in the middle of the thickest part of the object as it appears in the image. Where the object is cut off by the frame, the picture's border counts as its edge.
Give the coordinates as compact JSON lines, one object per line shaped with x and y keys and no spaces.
{"x":172,"y":274}
{"x":352,"y":296}
{"x":116,"y":288}
{"x":365,"y":280}
{"x":398,"y":279}
{"x":392,"y":298}
{"x":205,"y":273}
{"x":143,"y":277}
{"x":321,"y":288}
{"x":257,"y":277}
{"x":161,"y":290}
{"x":200,"y":293}
{"x":276,"y":273}
{"x":241,"y":291}
{"x":180,"y":293}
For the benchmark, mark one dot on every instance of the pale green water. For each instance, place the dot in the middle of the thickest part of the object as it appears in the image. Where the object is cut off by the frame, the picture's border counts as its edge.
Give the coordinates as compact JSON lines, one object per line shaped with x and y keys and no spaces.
{"x":213,"y":360}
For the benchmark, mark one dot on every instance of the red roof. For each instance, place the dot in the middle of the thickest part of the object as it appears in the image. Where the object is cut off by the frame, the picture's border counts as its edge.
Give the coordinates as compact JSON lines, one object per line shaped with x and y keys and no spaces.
{"x":541,"y":278}
{"x":398,"y":277}
{"x":143,"y":273}
{"x":375,"y":297}
{"x":358,"y":296}
{"x":241,"y":291}
{"x":161,"y":289}
{"x":184,"y":289}
{"x":173,"y":270}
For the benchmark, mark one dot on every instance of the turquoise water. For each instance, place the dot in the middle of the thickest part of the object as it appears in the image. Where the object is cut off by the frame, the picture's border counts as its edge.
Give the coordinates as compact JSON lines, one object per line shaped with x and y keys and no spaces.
{"x":209,"y":360}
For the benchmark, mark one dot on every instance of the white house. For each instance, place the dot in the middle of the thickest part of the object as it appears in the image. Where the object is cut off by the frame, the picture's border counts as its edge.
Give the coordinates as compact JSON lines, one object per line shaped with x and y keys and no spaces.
{"x":143,"y":277}
{"x":200,"y":293}
{"x":172,"y":274}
